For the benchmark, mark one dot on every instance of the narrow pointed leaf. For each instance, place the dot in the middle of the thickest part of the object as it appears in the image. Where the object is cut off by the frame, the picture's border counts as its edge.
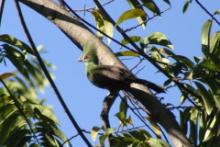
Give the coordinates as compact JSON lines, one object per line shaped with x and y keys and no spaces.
{"x":126,"y":53}
{"x":158,"y":38}
{"x":136,"y":4}
{"x":151,"y":5}
{"x":133,"y":38}
{"x":94,"y":133}
{"x":186,"y":5}
{"x":206,"y":97}
{"x":206,"y":29}
{"x":217,"y":12}
{"x":7,"y":75}
{"x":16,"y":42}
{"x":133,"y":13}
{"x":103,"y":24}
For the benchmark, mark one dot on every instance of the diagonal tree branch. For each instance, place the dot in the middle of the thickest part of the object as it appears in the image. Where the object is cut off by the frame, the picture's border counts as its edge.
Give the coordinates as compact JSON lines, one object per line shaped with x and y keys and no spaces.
{"x":47,"y":74}
{"x":81,"y":35}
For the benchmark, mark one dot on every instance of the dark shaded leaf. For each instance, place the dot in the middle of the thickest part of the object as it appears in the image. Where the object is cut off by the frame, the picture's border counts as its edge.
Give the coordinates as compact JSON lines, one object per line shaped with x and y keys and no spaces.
{"x":151,"y":5}
{"x":186,"y":5}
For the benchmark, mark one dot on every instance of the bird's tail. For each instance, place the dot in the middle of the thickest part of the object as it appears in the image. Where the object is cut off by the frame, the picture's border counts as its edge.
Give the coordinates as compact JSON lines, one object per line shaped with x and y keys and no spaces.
{"x":150,"y":85}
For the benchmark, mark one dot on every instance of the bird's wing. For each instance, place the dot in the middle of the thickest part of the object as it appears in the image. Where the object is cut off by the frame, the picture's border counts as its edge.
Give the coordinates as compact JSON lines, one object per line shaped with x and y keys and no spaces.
{"x":112,"y":72}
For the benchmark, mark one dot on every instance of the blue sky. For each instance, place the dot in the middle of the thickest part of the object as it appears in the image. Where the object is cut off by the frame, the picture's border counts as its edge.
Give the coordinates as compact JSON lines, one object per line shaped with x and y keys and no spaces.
{"x":85,"y":100}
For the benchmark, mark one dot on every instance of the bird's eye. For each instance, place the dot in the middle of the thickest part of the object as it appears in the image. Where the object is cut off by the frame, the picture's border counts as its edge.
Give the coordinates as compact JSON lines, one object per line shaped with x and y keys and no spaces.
{"x":86,"y":57}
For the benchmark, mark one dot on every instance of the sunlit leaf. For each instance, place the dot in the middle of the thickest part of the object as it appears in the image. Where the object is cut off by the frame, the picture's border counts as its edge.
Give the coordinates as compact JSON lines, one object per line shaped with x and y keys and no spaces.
{"x":158,"y":38}
{"x":103,"y":24}
{"x":133,"y":13}
{"x":137,"y":5}
{"x":214,"y":47}
{"x":126,"y":53}
{"x":217,"y":12}
{"x":157,"y":143}
{"x":94,"y":133}
{"x":209,"y":132}
{"x":206,"y":29}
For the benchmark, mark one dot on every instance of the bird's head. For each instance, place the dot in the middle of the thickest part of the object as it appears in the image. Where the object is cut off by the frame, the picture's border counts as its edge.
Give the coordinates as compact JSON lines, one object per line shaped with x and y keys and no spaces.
{"x":89,"y":55}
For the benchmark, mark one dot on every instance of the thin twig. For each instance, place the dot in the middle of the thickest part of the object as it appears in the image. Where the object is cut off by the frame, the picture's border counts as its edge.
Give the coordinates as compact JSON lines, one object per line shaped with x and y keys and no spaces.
{"x":47,"y":74}
{"x":209,"y":13}
{"x":136,"y":65}
{"x":17,"y":105}
{"x":91,"y":8}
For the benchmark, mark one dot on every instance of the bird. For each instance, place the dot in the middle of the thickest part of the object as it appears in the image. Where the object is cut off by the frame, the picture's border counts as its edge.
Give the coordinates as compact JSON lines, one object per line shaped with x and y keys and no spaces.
{"x":112,"y":78}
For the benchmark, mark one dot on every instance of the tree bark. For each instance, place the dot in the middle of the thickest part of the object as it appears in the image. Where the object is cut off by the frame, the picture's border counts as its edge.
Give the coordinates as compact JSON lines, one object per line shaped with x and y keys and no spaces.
{"x":81,"y":35}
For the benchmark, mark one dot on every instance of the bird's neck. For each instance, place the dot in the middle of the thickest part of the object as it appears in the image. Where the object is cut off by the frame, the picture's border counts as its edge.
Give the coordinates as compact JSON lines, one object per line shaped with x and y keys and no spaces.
{"x":90,"y":65}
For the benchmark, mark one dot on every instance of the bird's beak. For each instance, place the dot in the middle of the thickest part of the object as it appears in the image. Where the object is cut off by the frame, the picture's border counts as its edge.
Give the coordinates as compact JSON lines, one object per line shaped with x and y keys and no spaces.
{"x":81,"y":58}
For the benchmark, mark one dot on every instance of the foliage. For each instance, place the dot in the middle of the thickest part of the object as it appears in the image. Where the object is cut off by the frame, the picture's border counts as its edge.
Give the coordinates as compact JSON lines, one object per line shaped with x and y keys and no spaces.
{"x":197,"y":80}
{"x":28,"y":122}
{"x":24,"y":118}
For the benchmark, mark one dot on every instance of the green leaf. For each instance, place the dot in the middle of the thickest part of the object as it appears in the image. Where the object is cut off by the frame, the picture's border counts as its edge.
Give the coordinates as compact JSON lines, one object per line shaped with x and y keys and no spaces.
{"x":16,"y":42}
{"x":103,"y":24}
{"x":126,"y":53}
{"x":184,"y":60}
{"x":217,"y":12}
{"x":186,"y":5}
{"x":206,"y":30}
{"x":94,"y":133}
{"x":153,"y":142}
{"x":167,"y":1}
{"x":184,"y":118}
{"x":214,"y":47}
{"x":206,"y":97}
{"x":7,"y":75}
{"x":2,"y":6}
{"x":158,"y":38}
{"x":133,"y":13}
{"x":210,"y":132}
{"x":137,"y":5}
{"x":193,"y":132}
{"x":209,"y":65}
{"x":132,"y":38}
{"x":151,"y":5}
{"x":102,"y":138}
{"x":217,"y":100}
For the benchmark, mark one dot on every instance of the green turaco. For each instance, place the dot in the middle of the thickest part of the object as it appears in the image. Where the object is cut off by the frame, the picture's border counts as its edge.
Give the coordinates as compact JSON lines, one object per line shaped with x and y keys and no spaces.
{"x":109,"y":77}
